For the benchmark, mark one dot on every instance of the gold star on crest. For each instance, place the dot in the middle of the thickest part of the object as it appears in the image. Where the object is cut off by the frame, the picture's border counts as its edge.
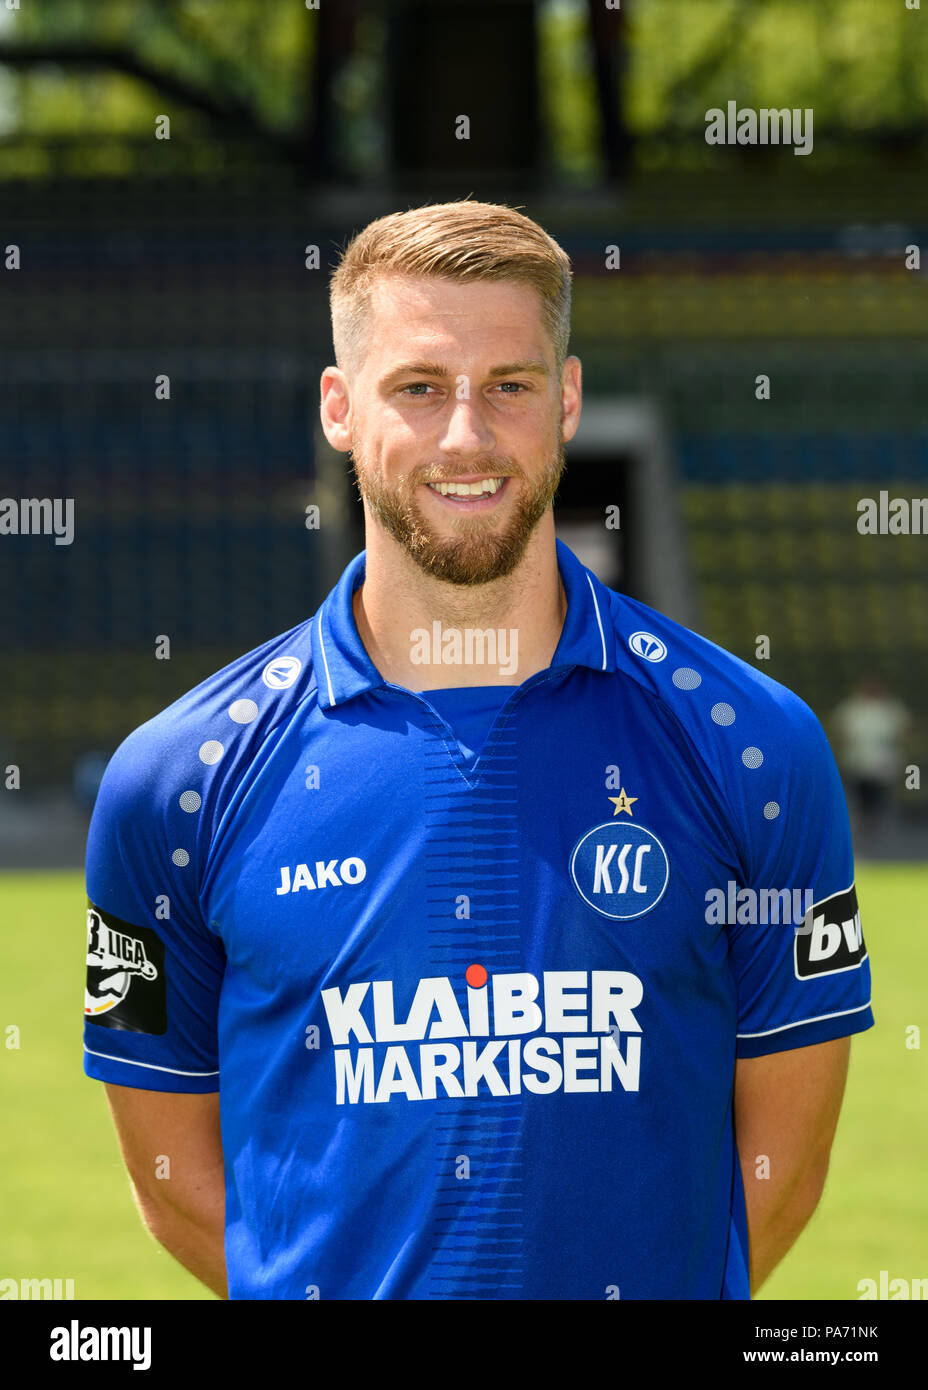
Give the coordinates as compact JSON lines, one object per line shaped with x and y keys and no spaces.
{"x":622,"y":802}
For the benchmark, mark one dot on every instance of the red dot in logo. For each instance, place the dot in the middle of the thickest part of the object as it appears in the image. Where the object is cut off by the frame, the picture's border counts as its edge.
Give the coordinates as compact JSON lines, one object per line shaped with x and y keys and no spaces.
{"x":476,"y":976}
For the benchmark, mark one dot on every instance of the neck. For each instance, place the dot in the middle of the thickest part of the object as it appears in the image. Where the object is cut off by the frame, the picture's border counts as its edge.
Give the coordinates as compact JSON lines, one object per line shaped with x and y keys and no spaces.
{"x":398,"y":606}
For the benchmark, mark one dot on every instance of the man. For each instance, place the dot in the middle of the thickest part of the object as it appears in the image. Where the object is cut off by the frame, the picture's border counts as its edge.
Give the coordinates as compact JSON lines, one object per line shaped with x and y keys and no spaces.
{"x":870,"y":723}
{"x":431,"y":883}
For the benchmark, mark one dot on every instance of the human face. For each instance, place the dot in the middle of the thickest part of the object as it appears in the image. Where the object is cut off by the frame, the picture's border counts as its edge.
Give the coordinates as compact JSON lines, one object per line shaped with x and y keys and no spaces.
{"x":457,"y":388}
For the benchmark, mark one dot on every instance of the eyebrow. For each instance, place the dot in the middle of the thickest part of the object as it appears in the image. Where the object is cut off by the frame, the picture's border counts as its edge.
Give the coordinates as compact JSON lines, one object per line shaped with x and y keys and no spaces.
{"x":533,"y":366}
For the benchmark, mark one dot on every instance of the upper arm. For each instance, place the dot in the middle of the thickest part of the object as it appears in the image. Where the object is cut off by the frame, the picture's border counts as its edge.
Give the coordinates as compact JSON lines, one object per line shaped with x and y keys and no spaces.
{"x":154,"y":965}
{"x":786,"y":1107}
{"x":171,"y":1143}
{"x":796,"y":948}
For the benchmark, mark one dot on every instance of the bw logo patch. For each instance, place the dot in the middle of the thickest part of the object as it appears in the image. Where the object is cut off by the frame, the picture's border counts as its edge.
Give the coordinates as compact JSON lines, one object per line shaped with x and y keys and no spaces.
{"x":830,"y":939}
{"x":125,"y":975}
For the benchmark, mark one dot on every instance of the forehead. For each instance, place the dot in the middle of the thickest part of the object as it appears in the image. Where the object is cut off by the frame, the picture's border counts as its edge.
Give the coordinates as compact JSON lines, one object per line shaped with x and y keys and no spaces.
{"x":417,"y":310}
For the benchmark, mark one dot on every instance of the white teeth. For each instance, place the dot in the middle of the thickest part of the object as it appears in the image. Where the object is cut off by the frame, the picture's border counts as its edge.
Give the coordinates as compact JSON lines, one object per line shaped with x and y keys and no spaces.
{"x":484,"y":489}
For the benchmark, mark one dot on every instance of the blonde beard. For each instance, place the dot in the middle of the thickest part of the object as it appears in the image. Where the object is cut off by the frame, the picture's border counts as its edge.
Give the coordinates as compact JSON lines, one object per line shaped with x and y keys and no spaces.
{"x":481,"y":553}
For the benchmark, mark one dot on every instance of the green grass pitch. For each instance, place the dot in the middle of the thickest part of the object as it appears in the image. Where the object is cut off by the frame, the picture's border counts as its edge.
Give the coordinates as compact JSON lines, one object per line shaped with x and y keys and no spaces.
{"x":69,"y":1213}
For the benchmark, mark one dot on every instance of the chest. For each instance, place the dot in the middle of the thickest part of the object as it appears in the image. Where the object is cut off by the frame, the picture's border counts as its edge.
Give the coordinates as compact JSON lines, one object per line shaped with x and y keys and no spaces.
{"x":583,"y":839}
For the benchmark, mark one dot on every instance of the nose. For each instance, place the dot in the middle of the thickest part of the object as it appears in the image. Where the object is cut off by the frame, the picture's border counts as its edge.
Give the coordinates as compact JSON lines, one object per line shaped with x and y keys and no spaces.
{"x":467,"y":431}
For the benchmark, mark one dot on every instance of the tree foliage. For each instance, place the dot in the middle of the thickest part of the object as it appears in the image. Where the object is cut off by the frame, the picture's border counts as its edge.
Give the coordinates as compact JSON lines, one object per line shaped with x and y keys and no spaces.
{"x":82,"y":70}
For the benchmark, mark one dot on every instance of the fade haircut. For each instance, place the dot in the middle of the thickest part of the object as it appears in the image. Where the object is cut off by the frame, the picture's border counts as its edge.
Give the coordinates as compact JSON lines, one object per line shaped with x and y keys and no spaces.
{"x":461,"y":241}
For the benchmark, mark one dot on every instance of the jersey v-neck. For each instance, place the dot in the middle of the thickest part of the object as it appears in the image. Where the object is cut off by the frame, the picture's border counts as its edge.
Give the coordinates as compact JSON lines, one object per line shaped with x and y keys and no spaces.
{"x":470,"y":713}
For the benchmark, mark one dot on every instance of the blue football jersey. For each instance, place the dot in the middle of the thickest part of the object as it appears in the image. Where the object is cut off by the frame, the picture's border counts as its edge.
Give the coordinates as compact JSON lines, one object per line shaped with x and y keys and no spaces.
{"x":473,"y":1017}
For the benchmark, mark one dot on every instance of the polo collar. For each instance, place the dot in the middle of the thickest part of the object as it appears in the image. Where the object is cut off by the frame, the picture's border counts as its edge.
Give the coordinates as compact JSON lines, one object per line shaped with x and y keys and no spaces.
{"x":344,"y":669}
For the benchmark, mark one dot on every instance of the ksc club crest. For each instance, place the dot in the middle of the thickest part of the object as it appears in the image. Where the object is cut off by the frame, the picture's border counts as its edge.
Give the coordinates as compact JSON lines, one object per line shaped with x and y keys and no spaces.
{"x":620,"y":869}
{"x":125,"y":975}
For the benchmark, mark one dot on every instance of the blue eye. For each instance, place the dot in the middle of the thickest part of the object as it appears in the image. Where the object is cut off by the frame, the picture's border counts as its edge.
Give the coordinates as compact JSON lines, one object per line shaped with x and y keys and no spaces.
{"x":418,"y":389}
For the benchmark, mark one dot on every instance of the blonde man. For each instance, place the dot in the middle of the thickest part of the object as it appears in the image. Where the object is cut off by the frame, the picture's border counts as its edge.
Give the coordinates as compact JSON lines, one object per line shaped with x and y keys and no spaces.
{"x":479,"y":938}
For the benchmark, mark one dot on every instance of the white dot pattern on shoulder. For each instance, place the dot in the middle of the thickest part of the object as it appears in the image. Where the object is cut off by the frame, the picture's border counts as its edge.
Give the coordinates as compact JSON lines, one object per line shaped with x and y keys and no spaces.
{"x":211,"y":751}
{"x":243,"y":711}
{"x":685,"y":678}
{"x":181,"y":858}
{"x":722,"y":713}
{"x":190,"y":801}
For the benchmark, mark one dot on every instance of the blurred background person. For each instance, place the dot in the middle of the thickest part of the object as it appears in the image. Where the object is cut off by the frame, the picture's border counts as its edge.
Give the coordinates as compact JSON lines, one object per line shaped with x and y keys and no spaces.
{"x":870,"y":724}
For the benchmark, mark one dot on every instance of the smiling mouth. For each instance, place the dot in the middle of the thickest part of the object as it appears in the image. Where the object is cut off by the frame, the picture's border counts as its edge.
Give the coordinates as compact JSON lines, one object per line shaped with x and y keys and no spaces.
{"x":468,"y":491}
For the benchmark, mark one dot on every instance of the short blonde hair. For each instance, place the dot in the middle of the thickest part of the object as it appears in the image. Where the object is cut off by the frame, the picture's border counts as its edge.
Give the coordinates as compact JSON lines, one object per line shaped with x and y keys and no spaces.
{"x":460,"y":241}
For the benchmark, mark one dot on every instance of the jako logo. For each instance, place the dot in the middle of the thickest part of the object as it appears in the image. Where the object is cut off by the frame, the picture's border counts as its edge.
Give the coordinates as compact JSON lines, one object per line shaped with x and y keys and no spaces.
{"x":282,"y":672}
{"x":647,"y":646}
{"x":620,"y":870}
{"x":327,"y":875}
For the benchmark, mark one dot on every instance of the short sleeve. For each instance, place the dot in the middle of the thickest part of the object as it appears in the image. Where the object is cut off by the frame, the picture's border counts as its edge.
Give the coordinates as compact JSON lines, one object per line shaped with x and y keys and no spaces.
{"x":154,"y":969}
{"x":797,"y":950}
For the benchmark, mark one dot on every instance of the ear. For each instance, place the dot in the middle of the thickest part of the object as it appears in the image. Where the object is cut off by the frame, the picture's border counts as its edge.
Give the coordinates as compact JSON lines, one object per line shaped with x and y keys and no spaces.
{"x":335,"y":408}
{"x":571,"y":398}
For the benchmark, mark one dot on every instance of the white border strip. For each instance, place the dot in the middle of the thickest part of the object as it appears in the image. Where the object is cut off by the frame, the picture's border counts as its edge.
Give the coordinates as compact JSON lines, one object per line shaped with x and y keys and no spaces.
{"x":602,"y":636}
{"x":328,"y":678}
{"x":820,"y":1018}
{"x":150,"y":1065}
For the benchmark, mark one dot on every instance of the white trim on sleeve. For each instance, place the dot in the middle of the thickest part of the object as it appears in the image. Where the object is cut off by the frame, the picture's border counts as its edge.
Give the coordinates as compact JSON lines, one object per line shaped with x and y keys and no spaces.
{"x":820,"y":1018}
{"x":126,"y":1061}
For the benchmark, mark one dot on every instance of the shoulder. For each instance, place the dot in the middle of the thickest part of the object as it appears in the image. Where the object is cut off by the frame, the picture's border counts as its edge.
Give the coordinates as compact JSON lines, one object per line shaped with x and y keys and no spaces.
{"x":737,"y":717}
{"x":698,"y":677}
{"x":217,"y":725}
{"x":167,"y":786}
{"x":756,"y":744}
